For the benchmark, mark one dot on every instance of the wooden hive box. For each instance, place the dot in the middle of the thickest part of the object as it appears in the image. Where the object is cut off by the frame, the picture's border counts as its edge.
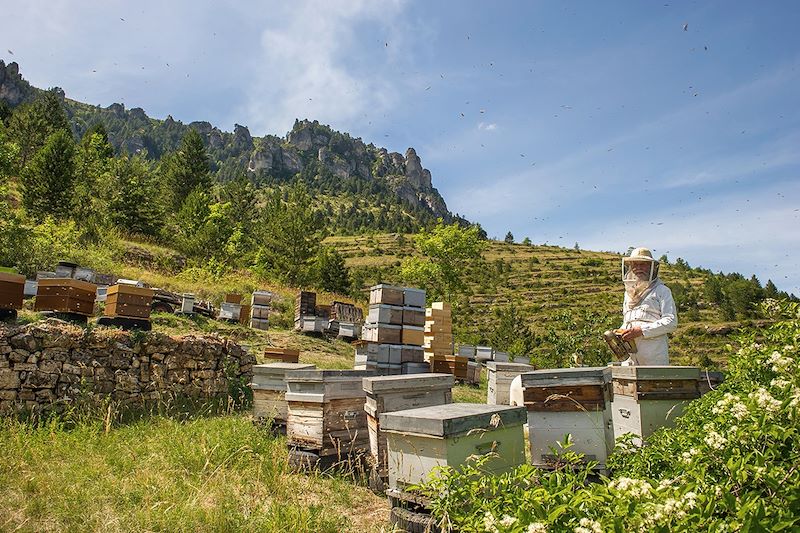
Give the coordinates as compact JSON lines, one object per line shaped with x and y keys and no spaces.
{"x":573,"y":401}
{"x":450,"y":364}
{"x":646,"y":398}
{"x":386,"y":294}
{"x":413,"y":335}
{"x":413,"y":297}
{"x":12,"y":290}
{"x":385,"y":314}
{"x":244,"y":314}
{"x":396,"y":393}
{"x":419,"y":440}
{"x":500,"y":377}
{"x":269,"y":390}
{"x":413,"y":316}
{"x":232,"y":298}
{"x":283,"y":355}
{"x":326,"y":411}
{"x":65,"y":295}
{"x":128,"y":301}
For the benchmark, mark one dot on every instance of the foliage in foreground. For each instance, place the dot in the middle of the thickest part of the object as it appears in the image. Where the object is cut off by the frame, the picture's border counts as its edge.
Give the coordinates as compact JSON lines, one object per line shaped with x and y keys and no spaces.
{"x":731,"y":464}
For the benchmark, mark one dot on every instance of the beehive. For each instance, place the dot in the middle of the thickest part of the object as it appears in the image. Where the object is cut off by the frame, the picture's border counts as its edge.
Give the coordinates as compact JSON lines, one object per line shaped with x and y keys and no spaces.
{"x":386,"y":294}
{"x":283,"y":355}
{"x":419,"y":440}
{"x":128,"y":301}
{"x":646,"y":398}
{"x":12,"y":291}
{"x":396,"y":393}
{"x":500,"y":377}
{"x":269,"y":390}
{"x":450,"y":364}
{"x":326,"y":411}
{"x":572,"y":401}
{"x":65,"y":295}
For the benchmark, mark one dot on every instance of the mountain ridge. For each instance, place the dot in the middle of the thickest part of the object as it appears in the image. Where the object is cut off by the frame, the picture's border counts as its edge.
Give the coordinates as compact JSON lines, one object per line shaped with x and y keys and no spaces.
{"x":309,"y":148}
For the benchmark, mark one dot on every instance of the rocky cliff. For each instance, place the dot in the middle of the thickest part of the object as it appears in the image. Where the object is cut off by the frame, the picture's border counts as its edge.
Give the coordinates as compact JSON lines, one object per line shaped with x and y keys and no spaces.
{"x":310,"y":147}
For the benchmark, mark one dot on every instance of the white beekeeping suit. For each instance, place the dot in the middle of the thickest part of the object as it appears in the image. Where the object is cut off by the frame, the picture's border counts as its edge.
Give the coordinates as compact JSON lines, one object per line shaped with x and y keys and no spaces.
{"x":648,"y":310}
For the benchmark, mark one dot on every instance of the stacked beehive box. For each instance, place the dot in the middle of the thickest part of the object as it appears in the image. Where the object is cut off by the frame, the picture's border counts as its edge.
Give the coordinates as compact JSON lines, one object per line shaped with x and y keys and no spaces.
{"x":308,"y":316}
{"x":12,"y":292}
{"x":65,"y":295}
{"x":283,"y":355}
{"x":419,"y":440}
{"x":326,"y":411}
{"x":646,"y":398}
{"x":395,"y":393}
{"x":348,"y":319}
{"x":259,"y":313}
{"x":269,"y":390}
{"x":395,"y":324}
{"x":231,"y":308}
{"x":128,"y":301}
{"x":500,"y":377}
{"x":438,"y":330}
{"x":572,"y":401}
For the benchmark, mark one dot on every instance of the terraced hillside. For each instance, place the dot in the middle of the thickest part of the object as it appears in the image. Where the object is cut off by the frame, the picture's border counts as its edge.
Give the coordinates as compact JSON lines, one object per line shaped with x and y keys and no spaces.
{"x":567,"y":296}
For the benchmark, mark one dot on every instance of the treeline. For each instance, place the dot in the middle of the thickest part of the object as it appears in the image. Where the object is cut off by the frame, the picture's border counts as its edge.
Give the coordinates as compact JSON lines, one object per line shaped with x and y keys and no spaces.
{"x":733,"y":295}
{"x":71,"y":193}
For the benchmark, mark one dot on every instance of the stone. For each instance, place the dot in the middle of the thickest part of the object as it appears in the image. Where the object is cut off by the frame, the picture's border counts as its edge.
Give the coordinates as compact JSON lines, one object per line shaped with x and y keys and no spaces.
{"x":9,"y":379}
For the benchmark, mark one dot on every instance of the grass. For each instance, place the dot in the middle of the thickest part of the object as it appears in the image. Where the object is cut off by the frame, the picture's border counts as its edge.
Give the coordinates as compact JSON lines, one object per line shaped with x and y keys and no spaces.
{"x":219,"y":473}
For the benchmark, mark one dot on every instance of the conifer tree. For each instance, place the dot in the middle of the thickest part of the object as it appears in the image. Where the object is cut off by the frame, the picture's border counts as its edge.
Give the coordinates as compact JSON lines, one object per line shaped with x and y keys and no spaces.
{"x":330,"y":271}
{"x":32,"y":124}
{"x":48,"y":178}
{"x":187,"y":169}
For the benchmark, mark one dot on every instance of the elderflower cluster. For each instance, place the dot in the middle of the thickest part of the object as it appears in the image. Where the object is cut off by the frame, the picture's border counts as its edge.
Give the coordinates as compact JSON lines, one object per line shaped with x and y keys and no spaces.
{"x":730,"y":403}
{"x":635,"y":488}
{"x":508,"y":521}
{"x":587,"y":525}
{"x":765,"y":400}
{"x":715,"y":440}
{"x":536,"y":527}
{"x":671,"y":509}
{"x":780,"y":383}
{"x":489,"y":522}
{"x":779,"y":362}
{"x":687,"y":456}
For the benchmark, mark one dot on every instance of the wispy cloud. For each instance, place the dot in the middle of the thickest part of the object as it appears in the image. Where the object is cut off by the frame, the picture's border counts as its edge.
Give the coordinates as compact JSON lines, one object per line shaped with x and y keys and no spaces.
{"x":490,"y":126}
{"x":305,"y":66}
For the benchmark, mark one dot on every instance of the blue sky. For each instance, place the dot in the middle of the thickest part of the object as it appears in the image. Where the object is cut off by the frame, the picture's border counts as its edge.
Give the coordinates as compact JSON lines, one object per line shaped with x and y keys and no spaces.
{"x":602,"y":123}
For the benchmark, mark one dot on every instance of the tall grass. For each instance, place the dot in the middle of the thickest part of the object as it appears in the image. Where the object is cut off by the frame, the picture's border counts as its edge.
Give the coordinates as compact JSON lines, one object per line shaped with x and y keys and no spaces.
{"x":82,"y":471}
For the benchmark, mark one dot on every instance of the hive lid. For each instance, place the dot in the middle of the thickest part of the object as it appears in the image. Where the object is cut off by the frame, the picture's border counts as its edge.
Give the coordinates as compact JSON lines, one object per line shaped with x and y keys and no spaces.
{"x":405,"y":382}
{"x":280,"y":368}
{"x":327,"y":375}
{"x":452,"y":419}
{"x":655,"y":372}
{"x":557,"y":377}
{"x":508,"y":367}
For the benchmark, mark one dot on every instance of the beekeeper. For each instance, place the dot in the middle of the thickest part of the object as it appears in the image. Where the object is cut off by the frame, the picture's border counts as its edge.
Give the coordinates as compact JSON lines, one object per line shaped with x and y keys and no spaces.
{"x":648,"y":310}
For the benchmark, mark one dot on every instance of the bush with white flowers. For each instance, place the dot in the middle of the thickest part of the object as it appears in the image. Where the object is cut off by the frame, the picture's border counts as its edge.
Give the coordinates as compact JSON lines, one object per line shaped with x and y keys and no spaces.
{"x":732,"y":463}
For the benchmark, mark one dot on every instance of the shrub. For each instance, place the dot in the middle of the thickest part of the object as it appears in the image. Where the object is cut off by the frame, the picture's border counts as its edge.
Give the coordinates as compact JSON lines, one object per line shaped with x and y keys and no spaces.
{"x":730,"y":464}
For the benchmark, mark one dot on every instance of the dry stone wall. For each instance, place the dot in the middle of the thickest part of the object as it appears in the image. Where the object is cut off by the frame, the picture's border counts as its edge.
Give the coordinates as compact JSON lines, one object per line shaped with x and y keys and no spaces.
{"x":50,"y":361}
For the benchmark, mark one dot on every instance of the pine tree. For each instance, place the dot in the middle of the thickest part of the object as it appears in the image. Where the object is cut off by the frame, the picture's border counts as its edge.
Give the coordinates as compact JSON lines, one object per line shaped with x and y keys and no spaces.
{"x":32,"y":124}
{"x":509,"y":238}
{"x":187,"y":169}
{"x":48,"y":178}
{"x":330,"y":271}
{"x":133,"y":203}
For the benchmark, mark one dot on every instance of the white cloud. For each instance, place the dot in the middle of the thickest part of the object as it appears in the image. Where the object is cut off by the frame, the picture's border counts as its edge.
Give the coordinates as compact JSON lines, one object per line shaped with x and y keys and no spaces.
{"x":487,"y":126}
{"x":308,"y":65}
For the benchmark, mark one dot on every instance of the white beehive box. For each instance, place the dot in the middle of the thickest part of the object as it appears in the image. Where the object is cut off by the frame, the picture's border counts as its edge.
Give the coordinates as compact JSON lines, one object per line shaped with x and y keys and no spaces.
{"x":385,"y":314}
{"x":326,"y":411}
{"x":396,"y":393}
{"x":484,"y":353}
{"x":500,"y":377}
{"x":187,"y":303}
{"x":570,"y":401}
{"x":386,"y":294}
{"x":228,"y":311}
{"x":466,"y":351}
{"x":269,"y":390}
{"x":413,"y":297}
{"x":646,"y":398}
{"x":422,"y":439}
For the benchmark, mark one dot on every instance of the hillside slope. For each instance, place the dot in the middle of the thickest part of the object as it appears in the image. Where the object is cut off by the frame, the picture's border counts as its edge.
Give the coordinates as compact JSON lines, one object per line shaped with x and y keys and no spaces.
{"x":568,"y":297}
